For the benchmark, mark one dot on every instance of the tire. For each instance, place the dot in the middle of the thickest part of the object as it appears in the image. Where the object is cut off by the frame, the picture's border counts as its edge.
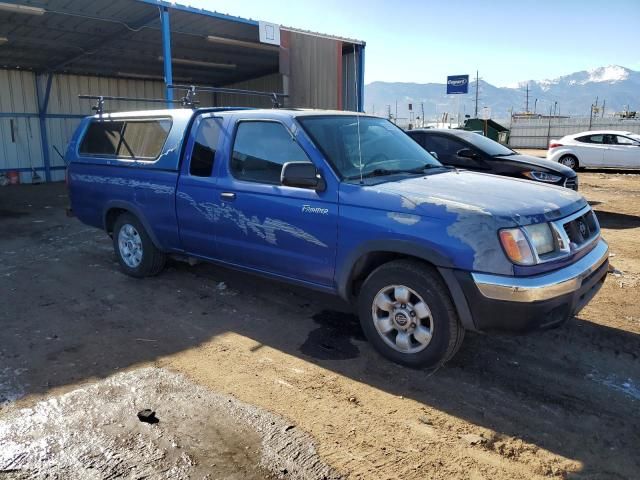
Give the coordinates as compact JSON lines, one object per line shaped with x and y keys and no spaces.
{"x":569,"y":161}
{"x":387,"y":328}
{"x":137,"y":255}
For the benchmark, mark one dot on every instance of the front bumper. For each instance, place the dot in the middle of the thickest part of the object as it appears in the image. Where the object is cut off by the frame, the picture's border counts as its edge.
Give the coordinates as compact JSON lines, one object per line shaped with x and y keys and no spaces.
{"x":499,"y":302}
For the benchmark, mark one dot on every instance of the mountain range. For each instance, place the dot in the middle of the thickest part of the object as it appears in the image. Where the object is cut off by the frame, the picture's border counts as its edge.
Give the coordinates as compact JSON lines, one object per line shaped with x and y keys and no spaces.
{"x":618,"y":87}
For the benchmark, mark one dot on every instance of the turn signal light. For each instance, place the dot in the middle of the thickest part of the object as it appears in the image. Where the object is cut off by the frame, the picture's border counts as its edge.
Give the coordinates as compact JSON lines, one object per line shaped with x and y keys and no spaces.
{"x":516,"y":246}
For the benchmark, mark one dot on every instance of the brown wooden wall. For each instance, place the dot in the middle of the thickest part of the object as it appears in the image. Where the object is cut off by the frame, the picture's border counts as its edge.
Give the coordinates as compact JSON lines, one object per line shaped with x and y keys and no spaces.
{"x":312,"y":70}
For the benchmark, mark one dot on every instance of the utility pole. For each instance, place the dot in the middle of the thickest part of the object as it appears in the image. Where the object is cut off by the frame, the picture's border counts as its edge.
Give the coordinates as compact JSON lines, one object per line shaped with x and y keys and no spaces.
{"x":477,"y":88}
{"x":535,"y":105}
{"x":396,"y":110}
{"x":388,"y":112}
{"x":526,"y":103}
{"x":604,"y":102}
{"x":422,"y":105}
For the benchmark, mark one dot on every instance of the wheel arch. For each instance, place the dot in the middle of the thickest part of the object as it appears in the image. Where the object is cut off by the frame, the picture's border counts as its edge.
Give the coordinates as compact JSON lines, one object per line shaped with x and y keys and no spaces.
{"x":116,"y":208}
{"x":369,"y":256}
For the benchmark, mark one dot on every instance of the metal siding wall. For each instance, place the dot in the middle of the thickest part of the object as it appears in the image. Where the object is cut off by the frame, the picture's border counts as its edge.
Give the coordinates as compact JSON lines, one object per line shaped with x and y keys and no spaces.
{"x":314,"y":72}
{"x":268,"y":83}
{"x":18,"y":95}
{"x":66,"y":88}
{"x":534,"y":133}
{"x":17,"y":92}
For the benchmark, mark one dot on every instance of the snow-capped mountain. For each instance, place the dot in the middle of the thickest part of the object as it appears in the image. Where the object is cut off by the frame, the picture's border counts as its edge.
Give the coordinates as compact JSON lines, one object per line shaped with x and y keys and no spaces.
{"x":617,"y":86}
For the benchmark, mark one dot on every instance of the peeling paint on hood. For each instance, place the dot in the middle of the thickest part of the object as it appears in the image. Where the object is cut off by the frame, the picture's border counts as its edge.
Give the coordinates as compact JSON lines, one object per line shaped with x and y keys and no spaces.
{"x":510,"y":201}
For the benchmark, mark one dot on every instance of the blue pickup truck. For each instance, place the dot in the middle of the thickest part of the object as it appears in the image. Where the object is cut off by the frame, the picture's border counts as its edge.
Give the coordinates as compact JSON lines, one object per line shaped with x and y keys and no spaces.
{"x":343,"y":203}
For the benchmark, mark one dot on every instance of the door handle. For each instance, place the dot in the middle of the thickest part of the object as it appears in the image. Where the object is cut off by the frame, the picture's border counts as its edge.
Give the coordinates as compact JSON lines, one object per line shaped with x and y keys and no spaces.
{"x":228,"y":196}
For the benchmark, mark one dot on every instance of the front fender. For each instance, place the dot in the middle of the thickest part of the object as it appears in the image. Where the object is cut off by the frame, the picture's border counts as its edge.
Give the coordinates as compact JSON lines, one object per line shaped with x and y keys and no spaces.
{"x":395,"y":246}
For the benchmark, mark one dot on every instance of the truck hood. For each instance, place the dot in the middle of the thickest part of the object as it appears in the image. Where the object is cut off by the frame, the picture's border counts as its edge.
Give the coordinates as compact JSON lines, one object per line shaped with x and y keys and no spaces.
{"x":529,"y":160}
{"x":508,"y":201}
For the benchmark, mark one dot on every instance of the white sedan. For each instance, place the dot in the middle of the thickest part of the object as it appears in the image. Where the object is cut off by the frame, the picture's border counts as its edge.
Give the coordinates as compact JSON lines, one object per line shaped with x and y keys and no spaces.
{"x":597,"y":149}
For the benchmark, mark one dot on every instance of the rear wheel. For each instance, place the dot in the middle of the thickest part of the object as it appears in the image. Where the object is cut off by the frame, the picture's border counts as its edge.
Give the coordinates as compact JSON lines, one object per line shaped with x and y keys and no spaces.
{"x":569,"y":161}
{"x":136,"y":253}
{"x":407,"y":315}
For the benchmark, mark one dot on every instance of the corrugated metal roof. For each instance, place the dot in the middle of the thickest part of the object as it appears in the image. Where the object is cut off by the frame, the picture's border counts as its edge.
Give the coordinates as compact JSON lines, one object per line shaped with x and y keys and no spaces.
{"x":123,"y":38}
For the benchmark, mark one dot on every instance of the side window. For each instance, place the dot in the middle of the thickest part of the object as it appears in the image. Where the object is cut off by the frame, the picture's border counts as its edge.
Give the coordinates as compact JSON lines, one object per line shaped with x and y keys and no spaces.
{"x":445,"y":147}
{"x":596,"y":139}
{"x":418,"y":138}
{"x":620,"y":140}
{"x":260,"y":149}
{"x":204,"y":147}
{"x":129,"y":139}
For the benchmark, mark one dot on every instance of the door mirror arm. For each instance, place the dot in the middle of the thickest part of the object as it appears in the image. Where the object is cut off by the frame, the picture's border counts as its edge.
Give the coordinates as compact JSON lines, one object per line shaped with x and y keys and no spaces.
{"x":467,"y":153}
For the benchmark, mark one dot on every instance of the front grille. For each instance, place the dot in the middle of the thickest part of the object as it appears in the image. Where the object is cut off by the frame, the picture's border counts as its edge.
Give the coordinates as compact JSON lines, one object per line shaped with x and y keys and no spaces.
{"x":581,"y":230}
{"x":571,"y":183}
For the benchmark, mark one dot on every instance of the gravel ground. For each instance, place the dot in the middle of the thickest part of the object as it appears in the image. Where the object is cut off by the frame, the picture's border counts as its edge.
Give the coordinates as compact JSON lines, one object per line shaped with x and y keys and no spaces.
{"x":562,"y":403}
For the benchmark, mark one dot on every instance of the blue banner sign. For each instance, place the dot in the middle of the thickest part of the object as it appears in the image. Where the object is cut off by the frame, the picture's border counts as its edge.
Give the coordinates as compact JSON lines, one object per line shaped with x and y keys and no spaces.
{"x":457,"y":84}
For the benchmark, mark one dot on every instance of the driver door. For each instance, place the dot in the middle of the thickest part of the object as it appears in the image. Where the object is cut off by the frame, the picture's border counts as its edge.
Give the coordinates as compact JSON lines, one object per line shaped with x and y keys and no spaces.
{"x":263,"y":225}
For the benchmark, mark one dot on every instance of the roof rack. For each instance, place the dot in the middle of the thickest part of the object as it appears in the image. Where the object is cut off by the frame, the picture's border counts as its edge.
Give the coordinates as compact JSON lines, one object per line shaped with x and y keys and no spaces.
{"x":191,"y":91}
{"x":187,"y":101}
{"x":99,"y":106}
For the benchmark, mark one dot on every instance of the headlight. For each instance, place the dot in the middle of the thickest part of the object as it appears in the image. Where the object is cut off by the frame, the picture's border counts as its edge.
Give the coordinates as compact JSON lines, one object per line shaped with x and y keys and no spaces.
{"x":542,"y":176}
{"x":516,"y":246}
{"x":541,"y":238}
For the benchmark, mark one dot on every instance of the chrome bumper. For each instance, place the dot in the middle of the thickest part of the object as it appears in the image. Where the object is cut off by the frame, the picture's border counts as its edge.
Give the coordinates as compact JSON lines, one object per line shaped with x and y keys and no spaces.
{"x":546,"y":286}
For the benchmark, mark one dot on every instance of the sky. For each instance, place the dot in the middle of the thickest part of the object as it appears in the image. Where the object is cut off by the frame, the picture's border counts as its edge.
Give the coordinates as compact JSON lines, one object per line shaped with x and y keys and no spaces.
{"x":423,"y":41}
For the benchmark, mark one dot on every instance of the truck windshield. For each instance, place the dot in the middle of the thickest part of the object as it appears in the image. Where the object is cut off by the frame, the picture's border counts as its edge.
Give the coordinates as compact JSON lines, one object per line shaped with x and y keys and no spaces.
{"x":381,"y":149}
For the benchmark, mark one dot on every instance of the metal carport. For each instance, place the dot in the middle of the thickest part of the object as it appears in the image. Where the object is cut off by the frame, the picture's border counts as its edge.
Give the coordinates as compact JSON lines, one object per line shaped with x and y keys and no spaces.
{"x":53,"y":50}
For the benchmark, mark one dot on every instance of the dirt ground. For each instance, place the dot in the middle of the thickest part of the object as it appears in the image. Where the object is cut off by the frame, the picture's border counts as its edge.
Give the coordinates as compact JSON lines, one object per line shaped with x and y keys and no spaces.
{"x":563,"y":403}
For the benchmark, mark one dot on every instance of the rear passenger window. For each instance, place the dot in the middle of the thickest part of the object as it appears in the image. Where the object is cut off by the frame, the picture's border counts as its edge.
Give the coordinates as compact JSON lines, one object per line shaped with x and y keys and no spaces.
{"x":204,"y":147}
{"x":591,"y":139}
{"x":260,"y":150}
{"x":129,"y":139}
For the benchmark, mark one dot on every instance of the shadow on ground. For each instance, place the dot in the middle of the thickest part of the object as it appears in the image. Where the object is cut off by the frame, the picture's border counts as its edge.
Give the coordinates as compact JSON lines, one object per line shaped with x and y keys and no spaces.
{"x":69,"y":315}
{"x":617,"y":221}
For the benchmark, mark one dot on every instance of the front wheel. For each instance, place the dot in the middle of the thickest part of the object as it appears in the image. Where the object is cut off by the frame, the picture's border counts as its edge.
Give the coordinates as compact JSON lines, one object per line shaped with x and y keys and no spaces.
{"x":136,"y":253}
{"x":406,"y":313}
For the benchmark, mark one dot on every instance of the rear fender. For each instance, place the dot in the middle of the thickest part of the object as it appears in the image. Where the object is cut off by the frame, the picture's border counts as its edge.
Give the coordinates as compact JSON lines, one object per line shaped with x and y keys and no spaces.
{"x":134,"y":210}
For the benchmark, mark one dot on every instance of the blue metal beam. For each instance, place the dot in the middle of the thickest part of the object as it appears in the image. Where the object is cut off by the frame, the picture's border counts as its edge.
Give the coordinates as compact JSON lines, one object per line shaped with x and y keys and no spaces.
{"x":361,"y":79}
{"x":37,"y":115}
{"x":166,"y":54}
{"x":28,"y":169}
{"x":43,"y":104}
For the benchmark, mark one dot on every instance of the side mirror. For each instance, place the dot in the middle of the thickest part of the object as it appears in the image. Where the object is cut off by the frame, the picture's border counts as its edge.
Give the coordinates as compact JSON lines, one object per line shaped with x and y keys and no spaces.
{"x":434,"y":155}
{"x":467,"y":153}
{"x":302,"y":175}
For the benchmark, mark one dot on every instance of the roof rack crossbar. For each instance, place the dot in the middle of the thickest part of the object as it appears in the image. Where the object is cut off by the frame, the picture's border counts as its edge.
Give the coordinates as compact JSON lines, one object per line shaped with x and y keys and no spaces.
{"x":193,"y":90}
{"x":99,"y":107}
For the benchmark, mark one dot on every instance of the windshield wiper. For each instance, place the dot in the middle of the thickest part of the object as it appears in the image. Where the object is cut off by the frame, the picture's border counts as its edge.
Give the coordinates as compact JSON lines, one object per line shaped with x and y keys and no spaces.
{"x":379,"y":172}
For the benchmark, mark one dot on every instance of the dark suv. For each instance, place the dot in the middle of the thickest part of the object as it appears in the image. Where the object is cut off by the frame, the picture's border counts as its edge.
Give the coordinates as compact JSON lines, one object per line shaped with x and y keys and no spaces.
{"x":472,"y":151}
